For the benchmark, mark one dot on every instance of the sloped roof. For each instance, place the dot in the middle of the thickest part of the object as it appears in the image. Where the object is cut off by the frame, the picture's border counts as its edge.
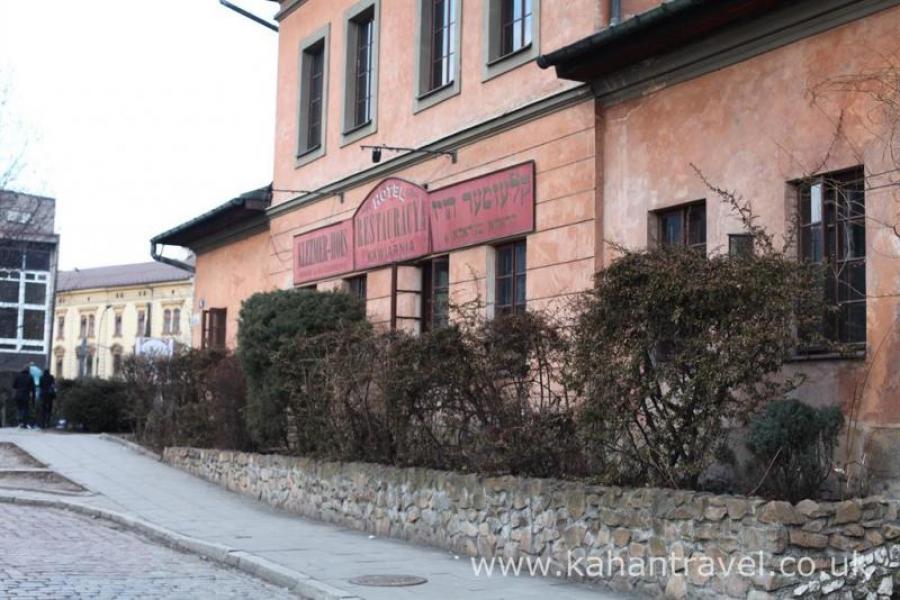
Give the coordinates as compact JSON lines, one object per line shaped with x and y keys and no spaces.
{"x":119,"y":275}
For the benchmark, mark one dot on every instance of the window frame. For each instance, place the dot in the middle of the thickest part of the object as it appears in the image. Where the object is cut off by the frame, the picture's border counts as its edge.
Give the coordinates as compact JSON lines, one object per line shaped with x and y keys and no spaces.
{"x":425,"y":95}
{"x":831,"y":246}
{"x":351,"y":131}
{"x":684,"y":213}
{"x":496,"y":64}
{"x":514,"y":307}
{"x":214,"y":334}
{"x":306,"y":153}
{"x":430,"y":292}
{"x":352,"y":286}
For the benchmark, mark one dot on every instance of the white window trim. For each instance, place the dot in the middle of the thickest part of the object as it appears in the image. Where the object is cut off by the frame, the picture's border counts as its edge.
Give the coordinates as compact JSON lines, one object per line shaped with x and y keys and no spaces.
{"x":322,"y":35}
{"x":349,"y":133}
{"x":494,"y":67}
{"x":423,"y":100}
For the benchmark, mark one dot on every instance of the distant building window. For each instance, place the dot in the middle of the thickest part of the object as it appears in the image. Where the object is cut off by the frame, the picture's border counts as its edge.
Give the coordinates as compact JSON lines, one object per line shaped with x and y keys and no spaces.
{"x":313,"y":86}
{"x":117,"y":325}
{"x":176,"y":321}
{"x":91,"y":321}
{"x":116,"y":352}
{"x":34,"y":325}
{"x":361,"y":44}
{"x":684,"y":225}
{"x":356,"y":287}
{"x":141,"y":323}
{"x":59,"y":367}
{"x":436,"y":293}
{"x":214,"y":323}
{"x":83,"y":327}
{"x":60,"y":327}
{"x":833,"y":234}
{"x":510,"y":278}
{"x":167,"y":322}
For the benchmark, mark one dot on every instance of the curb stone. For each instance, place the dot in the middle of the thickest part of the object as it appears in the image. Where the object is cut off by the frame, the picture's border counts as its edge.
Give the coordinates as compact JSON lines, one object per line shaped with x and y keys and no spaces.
{"x":303,"y":585}
{"x":131,"y":446}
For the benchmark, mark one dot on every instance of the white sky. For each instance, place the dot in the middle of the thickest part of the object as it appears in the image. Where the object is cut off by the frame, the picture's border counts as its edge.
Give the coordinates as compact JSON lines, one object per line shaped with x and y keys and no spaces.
{"x":136,"y":115}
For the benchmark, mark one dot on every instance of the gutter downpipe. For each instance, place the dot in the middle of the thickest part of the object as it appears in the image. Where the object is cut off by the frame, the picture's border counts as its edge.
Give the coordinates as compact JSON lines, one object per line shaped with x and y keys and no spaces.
{"x":155,"y":255}
{"x":249,"y":15}
{"x":615,"y":12}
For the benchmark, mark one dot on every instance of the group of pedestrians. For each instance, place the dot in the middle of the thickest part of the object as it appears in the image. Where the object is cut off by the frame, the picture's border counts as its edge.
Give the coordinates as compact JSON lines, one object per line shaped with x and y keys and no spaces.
{"x":34,"y":391}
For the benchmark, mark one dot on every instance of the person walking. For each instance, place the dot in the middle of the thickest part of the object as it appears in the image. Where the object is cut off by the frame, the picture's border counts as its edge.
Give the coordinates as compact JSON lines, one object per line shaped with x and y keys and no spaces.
{"x":48,"y":395}
{"x":23,"y":389}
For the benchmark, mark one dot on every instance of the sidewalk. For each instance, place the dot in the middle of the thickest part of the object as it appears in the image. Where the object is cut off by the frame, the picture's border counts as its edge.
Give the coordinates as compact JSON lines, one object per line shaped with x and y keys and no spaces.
{"x":131,"y":483}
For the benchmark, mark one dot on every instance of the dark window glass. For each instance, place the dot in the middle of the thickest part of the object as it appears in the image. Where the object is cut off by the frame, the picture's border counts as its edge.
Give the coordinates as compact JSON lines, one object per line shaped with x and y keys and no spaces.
{"x":214,"y":322}
{"x":356,"y":287}
{"x":37,"y":260}
{"x":35,"y":293}
{"x":34,"y":325}
{"x":832,"y":233}
{"x":117,"y":325}
{"x":683,"y":226}
{"x":10,"y":258}
{"x":740,"y":244}
{"x":364,"y":26}
{"x":441,"y":53}
{"x":515,"y":25}
{"x":511,"y":278}
{"x":176,"y":321}
{"x":436,"y":293}
{"x":117,"y":363}
{"x":314,"y":69}
{"x":9,"y":323}
{"x":60,"y":327}
{"x":9,"y":291}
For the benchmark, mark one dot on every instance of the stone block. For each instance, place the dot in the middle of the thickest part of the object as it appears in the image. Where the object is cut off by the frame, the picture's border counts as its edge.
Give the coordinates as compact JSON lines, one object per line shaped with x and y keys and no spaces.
{"x":847,"y":512}
{"x":806,"y":539}
{"x":676,"y":587}
{"x":781,"y":513}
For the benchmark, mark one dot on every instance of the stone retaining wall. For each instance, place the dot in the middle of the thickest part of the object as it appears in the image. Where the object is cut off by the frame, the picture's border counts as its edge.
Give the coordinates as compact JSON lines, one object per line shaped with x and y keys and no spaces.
{"x":668,"y":543}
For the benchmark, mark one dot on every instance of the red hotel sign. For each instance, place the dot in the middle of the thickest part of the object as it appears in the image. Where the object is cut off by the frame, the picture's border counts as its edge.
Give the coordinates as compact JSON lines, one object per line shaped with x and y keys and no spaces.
{"x":487,"y":208}
{"x":324,"y":252}
{"x":400,"y":221}
{"x":391,"y":225}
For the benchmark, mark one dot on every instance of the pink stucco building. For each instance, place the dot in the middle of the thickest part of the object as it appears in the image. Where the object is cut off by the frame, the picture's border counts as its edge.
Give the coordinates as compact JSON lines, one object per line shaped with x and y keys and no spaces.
{"x":536,"y":131}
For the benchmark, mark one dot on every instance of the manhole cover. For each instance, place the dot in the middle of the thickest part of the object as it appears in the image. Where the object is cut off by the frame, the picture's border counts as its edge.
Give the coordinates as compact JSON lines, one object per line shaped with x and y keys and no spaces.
{"x":388,"y":580}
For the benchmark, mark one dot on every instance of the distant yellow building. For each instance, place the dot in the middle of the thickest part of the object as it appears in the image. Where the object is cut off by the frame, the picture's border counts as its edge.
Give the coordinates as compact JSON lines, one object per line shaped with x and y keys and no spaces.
{"x":103,"y":314}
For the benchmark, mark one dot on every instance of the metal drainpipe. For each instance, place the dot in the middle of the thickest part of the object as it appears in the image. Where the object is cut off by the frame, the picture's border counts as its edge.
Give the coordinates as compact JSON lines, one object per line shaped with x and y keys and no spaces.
{"x":155,"y":255}
{"x":615,"y":12}
{"x":249,"y":15}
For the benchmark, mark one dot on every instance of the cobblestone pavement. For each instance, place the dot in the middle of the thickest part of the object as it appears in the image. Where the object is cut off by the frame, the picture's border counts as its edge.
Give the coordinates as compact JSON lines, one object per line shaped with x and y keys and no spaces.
{"x":54,"y":554}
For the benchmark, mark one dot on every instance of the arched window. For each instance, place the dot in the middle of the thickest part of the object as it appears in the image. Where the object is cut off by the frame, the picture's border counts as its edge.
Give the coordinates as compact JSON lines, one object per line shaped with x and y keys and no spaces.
{"x":83,"y":330}
{"x":116,"y":352}
{"x":167,"y":322}
{"x":90,"y":325}
{"x":176,"y":321}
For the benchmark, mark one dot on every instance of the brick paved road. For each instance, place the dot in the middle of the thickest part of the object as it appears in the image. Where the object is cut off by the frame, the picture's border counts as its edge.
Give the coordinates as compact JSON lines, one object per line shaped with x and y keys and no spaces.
{"x":54,"y":554}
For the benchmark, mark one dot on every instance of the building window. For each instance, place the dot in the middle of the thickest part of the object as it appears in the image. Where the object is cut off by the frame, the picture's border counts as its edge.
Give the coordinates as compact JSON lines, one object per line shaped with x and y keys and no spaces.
{"x":33,"y":328}
{"x":313,"y":97}
{"x":356,"y":287}
{"x":360,"y":71}
{"x":436,"y":293}
{"x":510,"y":282}
{"x":82,"y":330}
{"x":740,"y":244}
{"x":213,"y":334}
{"x":833,"y":233}
{"x":116,"y":352}
{"x":59,"y":367}
{"x":141,"y":323}
{"x":683,"y":226}
{"x":117,"y":325}
{"x":438,"y":67}
{"x":91,"y":321}
{"x":167,"y":322}
{"x":60,"y":327}
{"x":176,"y":321}
{"x":513,"y":34}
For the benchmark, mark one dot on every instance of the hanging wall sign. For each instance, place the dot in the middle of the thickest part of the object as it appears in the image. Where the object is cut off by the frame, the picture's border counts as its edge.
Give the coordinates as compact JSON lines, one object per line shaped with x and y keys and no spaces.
{"x":324,"y":252}
{"x":486,"y":208}
{"x":400,"y":221}
{"x":391,"y":225}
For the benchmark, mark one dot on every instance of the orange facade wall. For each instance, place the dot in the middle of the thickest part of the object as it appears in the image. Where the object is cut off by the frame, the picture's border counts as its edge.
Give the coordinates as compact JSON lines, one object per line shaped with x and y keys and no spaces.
{"x":397,"y":125}
{"x":225,"y":277}
{"x":753,"y":128}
